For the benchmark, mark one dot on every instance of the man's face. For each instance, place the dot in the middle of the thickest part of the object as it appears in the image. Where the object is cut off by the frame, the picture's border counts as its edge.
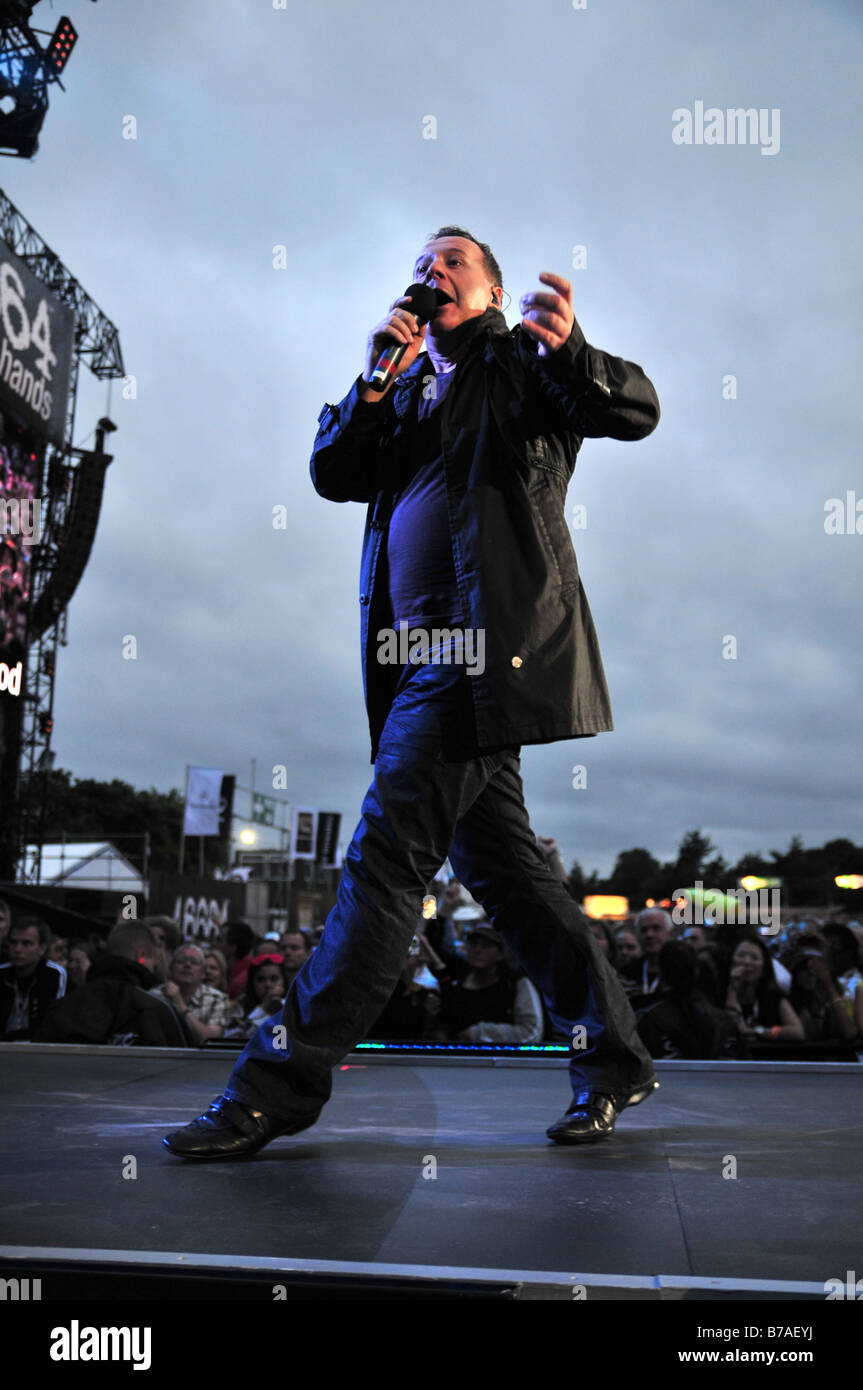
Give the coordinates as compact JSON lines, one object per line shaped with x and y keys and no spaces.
{"x":187,"y":967}
{"x":455,"y":265}
{"x":627,"y":947}
{"x":212,"y":972}
{"x":483,"y":953}
{"x":653,"y":932}
{"x":25,"y":950}
{"x":293,"y":949}
{"x":59,"y":951}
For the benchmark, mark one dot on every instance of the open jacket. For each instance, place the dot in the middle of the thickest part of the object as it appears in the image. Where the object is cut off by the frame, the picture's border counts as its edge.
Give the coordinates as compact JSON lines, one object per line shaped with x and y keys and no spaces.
{"x":114,"y":1005}
{"x":512,"y":423}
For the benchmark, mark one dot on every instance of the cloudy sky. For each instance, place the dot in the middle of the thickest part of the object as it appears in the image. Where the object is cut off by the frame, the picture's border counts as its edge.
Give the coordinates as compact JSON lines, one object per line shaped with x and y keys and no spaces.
{"x":304,"y":128}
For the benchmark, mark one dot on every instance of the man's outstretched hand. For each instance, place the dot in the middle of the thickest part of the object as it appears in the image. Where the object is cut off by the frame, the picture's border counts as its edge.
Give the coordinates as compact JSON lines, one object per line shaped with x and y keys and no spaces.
{"x":548,"y":317}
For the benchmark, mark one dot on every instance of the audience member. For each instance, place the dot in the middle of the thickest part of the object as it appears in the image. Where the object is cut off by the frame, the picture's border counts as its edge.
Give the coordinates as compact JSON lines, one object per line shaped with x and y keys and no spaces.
{"x":654,"y":928}
{"x":484,"y":999}
{"x":710,"y":975}
{"x":29,"y":983}
{"x":683,"y":1022}
{"x":58,"y":951}
{"x":296,"y":948}
{"x":206,"y":1010}
{"x":857,"y":931}
{"x":169,"y":937}
{"x":842,"y":957}
{"x":215,"y":969}
{"x":266,"y":987}
{"x":80,"y":959}
{"x":754,"y":1001}
{"x":818,"y":1001}
{"x":114,"y":1004}
{"x":236,"y":940}
{"x":628,"y":947}
{"x":603,"y":935}
{"x":412,"y":1010}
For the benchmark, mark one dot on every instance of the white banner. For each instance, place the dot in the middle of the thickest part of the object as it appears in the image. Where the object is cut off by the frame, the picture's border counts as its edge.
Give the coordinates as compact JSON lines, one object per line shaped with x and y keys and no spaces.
{"x":203,"y":790}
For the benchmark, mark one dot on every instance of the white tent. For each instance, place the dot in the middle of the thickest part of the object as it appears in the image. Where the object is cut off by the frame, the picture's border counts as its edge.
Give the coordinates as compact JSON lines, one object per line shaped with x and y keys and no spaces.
{"x":96,"y":865}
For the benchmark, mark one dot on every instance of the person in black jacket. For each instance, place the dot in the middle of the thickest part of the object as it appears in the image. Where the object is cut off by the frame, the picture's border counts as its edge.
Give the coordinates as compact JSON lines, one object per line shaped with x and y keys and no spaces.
{"x":30,"y":983}
{"x":113,"y":1004}
{"x":476,"y":638}
{"x":682,"y":1022}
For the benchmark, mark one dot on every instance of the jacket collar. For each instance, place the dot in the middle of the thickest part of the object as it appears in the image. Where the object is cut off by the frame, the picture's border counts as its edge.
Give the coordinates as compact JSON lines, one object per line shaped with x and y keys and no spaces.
{"x":485,"y":326}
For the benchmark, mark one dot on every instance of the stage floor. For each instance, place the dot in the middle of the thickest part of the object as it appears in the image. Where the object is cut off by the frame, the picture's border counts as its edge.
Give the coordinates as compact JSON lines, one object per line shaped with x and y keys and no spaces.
{"x":649,"y":1212}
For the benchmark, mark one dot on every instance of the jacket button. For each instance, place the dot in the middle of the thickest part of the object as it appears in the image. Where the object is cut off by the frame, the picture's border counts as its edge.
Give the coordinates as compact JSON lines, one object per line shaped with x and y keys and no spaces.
{"x":516,"y":661}
{"x":364,"y":598}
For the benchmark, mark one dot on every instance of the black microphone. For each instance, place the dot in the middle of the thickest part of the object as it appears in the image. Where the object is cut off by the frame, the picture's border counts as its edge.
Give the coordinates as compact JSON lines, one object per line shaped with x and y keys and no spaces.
{"x":424,"y":300}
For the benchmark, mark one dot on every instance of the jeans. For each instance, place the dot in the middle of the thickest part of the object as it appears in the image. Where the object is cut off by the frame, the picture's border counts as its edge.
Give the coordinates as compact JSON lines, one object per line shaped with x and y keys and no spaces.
{"x":432,"y":796}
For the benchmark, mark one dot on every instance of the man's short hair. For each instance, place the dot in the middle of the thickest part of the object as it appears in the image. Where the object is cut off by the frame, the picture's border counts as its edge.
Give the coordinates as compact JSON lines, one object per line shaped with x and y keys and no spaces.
{"x":131,"y":939}
{"x":492,"y":269}
{"x":297,"y":931}
{"x":173,"y":935}
{"x":654,"y":912}
{"x":46,"y":936}
{"x":240,"y":936}
{"x":190,"y":945}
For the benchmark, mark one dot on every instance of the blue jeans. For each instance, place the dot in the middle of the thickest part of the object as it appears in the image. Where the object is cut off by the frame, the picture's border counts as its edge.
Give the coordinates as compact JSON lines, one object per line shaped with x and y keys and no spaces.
{"x":432,"y":796}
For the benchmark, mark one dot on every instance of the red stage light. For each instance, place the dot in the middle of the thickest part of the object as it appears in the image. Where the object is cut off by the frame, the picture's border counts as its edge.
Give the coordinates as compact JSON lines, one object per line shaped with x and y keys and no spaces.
{"x":63,"y":40}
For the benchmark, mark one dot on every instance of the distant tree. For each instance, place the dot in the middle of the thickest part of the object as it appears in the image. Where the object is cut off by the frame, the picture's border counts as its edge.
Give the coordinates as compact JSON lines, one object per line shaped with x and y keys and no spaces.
{"x":580,"y":883}
{"x":691,"y":858}
{"x":632,"y":875}
{"x":716,"y":874}
{"x":104,"y":810}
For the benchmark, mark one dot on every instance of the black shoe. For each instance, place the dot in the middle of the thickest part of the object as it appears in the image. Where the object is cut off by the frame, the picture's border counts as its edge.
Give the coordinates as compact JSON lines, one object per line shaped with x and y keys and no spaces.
{"x":230,"y":1130}
{"x":593,"y":1114}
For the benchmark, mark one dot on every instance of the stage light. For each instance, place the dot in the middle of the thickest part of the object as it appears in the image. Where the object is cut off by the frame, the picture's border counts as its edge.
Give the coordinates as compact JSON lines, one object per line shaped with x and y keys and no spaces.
{"x":605,"y":905}
{"x":63,"y":40}
{"x":26,"y":72}
{"x":23,"y":99}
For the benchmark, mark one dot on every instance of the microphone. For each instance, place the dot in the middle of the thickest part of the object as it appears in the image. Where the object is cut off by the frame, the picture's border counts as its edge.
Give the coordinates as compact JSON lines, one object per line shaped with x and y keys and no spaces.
{"x":424,"y":300}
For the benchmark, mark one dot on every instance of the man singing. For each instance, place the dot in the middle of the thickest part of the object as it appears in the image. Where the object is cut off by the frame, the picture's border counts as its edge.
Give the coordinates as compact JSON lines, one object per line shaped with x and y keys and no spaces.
{"x":463,"y":461}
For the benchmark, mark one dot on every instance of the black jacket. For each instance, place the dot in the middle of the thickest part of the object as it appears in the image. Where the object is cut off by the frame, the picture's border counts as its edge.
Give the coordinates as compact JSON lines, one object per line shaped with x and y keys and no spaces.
{"x":113,"y":1005}
{"x":512,"y":423}
{"x":44,"y":986}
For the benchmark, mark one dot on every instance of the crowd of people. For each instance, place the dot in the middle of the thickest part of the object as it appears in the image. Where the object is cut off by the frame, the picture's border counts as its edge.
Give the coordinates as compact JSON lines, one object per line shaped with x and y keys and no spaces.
{"x":698,"y":991}
{"x":143,"y":985}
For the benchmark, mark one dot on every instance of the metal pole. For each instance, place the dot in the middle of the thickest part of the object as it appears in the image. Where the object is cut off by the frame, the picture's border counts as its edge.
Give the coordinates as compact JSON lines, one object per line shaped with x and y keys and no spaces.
{"x":183,"y":824}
